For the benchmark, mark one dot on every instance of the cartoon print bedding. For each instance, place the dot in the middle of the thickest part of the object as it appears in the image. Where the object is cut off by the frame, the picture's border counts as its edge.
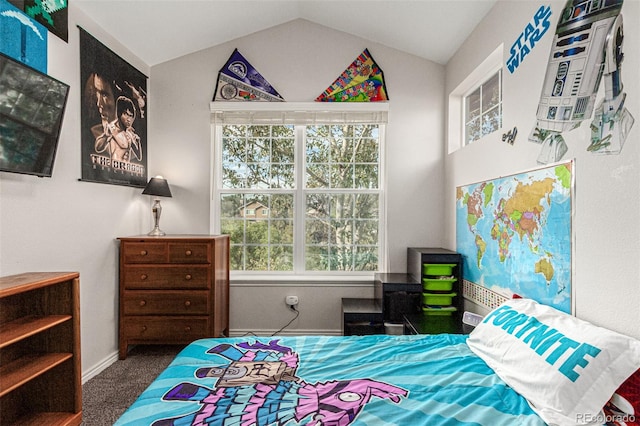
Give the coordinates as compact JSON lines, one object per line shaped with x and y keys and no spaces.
{"x":322,"y":380}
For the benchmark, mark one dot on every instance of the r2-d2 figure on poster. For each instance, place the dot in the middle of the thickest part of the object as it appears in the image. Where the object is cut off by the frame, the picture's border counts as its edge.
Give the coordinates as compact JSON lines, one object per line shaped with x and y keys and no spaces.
{"x":587,"y":48}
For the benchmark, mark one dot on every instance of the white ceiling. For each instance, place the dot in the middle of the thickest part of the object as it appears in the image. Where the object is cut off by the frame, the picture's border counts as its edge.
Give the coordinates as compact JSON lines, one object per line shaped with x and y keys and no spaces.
{"x":160,"y":30}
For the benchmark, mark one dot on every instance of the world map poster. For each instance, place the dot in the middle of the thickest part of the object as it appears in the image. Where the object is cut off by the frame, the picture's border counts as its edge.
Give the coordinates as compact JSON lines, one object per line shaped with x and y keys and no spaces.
{"x":515,"y":234}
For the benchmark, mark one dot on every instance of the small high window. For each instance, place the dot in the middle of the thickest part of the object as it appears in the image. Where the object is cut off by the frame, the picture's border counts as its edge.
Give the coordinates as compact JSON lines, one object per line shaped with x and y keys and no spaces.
{"x":483,"y":109}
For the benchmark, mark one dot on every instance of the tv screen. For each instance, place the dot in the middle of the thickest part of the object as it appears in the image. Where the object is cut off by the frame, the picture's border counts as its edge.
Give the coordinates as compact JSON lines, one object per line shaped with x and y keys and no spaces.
{"x":31,"y":110}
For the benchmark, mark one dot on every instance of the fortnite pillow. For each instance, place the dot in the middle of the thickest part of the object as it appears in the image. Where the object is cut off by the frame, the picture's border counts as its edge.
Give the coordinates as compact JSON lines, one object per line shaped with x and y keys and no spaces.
{"x":566,"y":368}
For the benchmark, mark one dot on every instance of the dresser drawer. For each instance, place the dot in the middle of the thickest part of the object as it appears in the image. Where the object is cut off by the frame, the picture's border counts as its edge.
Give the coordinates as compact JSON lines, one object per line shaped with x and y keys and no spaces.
{"x":165,"y":303}
{"x":189,"y":253}
{"x":145,"y":252}
{"x":166,"y":329}
{"x":166,"y":277}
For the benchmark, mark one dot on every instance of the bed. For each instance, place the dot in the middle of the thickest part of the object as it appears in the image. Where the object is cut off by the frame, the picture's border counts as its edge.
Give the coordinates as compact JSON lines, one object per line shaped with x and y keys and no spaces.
{"x":525,"y":364}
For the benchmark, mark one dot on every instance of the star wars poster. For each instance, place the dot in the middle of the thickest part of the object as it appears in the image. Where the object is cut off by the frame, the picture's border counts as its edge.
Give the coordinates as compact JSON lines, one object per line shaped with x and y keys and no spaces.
{"x":113,"y":117}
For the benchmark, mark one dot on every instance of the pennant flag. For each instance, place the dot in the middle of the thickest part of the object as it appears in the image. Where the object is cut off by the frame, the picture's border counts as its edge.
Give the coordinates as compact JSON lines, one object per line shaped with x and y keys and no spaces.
{"x":362,"y":81}
{"x":238,"y":80}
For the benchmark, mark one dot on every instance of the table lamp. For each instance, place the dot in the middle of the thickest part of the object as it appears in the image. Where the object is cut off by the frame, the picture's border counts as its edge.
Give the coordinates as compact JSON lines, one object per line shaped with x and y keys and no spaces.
{"x":157,"y":187}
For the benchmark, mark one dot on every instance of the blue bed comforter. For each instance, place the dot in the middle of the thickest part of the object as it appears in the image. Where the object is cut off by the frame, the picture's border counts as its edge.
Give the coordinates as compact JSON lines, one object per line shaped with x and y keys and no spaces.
{"x":329,"y":380}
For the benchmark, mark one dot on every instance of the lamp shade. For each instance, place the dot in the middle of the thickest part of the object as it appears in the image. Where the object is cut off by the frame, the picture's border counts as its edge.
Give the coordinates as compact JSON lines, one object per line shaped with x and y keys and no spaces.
{"x":157,"y":186}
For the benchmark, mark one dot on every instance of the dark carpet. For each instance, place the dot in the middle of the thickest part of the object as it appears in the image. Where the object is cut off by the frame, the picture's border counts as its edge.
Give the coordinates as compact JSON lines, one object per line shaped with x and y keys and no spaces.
{"x":106,"y":396}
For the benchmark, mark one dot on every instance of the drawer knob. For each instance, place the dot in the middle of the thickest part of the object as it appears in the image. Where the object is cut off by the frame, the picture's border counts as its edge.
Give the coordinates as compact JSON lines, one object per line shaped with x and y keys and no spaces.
{"x":143,"y":252}
{"x":144,"y":277}
{"x":187,"y":328}
{"x":188,"y":277}
{"x":143,"y":302}
{"x":143,"y":328}
{"x":188,"y":252}
{"x":187,"y":303}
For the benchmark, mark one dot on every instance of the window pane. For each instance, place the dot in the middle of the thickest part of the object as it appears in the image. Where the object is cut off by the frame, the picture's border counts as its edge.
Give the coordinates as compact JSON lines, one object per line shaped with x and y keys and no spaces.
{"x":333,"y":237}
{"x":367,"y":206}
{"x":366,"y":176}
{"x":473,"y":131}
{"x":334,"y":156}
{"x":257,"y":258}
{"x":316,"y":258}
{"x":317,"y":232}
{"x":366,"y":259}
{"x":472,"y":105}
{"x":341,"y":176}
{"x":281,"y":206}
{"x":491,"y":93}
{"x":258,"y":157}
{"x":281,"y":258}
{"x":281,"y":232}
{"x":236,"y":257}
{"x":256,"y":223}
{"x":282,"y":176}
{"x":317,"y":176}
{"x":491,"y":121}
{"x":317,"y":205}
{"x":366,"y":232}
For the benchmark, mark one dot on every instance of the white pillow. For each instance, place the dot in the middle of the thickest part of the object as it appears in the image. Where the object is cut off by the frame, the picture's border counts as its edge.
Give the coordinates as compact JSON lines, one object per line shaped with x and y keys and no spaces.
{"x":565,"y":367}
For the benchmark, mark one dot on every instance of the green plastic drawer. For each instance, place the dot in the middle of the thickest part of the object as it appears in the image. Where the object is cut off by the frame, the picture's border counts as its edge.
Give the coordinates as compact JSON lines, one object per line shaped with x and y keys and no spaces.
{"x":438,"y":284}
{"x":439,"y":310}
{"x":439,"y":299}
{"x":438,"y":269}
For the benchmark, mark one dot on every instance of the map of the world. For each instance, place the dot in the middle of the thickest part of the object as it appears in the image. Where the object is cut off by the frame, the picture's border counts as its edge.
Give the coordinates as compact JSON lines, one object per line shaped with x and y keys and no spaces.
{"x":514,"y":233}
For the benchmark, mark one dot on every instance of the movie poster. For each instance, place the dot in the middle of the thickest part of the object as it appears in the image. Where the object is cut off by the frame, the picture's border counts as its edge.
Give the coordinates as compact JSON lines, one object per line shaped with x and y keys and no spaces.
{"x":113,"y":117}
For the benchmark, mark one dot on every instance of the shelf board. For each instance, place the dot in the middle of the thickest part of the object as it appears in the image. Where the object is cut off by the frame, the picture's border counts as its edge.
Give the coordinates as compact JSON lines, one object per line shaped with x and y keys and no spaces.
{"x":49,"y":419}
{"x":22,"y":328}
{"x":18,"y":372}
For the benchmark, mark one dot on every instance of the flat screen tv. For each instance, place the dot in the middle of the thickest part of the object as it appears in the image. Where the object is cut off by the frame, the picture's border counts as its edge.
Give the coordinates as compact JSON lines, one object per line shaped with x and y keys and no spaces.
{"x":31,"y":110}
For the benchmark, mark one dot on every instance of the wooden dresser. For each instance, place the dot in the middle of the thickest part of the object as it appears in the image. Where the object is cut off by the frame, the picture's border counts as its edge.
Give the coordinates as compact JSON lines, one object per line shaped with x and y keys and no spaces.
{"x":40,"y":370}
{"x":173,"y":289}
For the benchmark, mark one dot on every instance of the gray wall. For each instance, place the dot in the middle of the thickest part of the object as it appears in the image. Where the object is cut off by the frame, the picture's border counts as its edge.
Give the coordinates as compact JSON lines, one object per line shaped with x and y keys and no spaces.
{"x":300,"y":59}
{"x":606,"y":279}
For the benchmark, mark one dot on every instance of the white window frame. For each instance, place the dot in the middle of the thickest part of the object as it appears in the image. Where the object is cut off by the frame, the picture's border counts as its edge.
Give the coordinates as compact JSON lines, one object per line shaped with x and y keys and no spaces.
{"x":298,"y":113}
{"x":484,"y":71}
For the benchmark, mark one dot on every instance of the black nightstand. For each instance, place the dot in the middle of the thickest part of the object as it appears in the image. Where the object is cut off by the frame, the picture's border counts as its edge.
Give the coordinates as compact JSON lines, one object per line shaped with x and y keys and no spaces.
{"x":398,"y":294}
{"x":434,"y":324}
{"x":362,"y":316}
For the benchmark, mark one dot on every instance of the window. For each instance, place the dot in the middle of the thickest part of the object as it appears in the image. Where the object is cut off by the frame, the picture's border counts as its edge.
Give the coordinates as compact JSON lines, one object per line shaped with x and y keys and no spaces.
{"x":475,"y":105}
{"x":300,"y":198}
{"x":483,"y":109}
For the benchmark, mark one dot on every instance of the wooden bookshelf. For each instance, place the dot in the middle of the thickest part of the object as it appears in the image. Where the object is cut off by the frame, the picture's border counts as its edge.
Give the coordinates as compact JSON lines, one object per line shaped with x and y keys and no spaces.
{"x":40,"y":370}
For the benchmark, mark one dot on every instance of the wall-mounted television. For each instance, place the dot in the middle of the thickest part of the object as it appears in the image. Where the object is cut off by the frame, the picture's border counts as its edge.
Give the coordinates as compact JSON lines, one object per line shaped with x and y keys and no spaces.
{"x":31,"y":110}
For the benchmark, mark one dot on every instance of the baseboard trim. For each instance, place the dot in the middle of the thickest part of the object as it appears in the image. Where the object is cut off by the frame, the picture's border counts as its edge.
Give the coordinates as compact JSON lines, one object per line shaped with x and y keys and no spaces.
{"x":100,"y":367}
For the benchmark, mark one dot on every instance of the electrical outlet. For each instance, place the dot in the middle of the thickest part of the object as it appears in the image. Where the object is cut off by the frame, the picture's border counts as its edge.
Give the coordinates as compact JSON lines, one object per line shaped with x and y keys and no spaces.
{"x":291,"y":300}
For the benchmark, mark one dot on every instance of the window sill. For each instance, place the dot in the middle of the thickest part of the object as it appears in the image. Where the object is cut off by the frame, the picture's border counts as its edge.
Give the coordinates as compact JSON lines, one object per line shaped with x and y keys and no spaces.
{"x":296,"y":280}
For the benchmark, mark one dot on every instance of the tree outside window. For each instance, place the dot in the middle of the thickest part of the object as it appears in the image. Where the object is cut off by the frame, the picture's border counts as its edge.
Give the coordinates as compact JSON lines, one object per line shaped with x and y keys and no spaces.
{"x":314,"y":192}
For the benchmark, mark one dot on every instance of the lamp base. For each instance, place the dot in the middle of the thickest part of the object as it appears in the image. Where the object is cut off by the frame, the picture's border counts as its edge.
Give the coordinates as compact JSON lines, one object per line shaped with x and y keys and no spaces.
{"x":156,"y":209}
{"x":156,"y":232}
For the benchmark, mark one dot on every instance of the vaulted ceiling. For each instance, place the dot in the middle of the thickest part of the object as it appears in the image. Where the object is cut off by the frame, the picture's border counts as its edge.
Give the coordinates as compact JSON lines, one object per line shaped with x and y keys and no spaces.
{"x":160,"y":30}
